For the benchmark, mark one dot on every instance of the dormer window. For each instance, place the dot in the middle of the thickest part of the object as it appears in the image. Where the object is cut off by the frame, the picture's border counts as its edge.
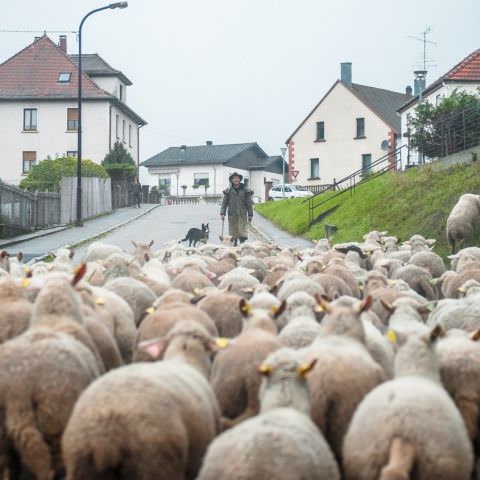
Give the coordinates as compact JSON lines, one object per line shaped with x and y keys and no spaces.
{"x":64,"y":77}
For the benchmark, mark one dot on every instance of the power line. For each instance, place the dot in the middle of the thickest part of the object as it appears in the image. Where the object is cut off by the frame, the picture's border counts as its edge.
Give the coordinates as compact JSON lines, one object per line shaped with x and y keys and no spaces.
{"x":38,"y":31}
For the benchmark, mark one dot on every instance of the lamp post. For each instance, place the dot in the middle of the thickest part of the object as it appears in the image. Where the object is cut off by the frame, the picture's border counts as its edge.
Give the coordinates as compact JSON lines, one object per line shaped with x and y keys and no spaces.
{"x":283,"y":150}
{"x":78,"y":221}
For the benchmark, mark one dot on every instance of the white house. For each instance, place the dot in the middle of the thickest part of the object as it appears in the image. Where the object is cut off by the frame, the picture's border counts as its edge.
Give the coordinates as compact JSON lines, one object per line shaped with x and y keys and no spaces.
{"x":463,"y":77}
{"x":351,"y":127}
{"x":186,"y":170}
{"x":38,"y":108}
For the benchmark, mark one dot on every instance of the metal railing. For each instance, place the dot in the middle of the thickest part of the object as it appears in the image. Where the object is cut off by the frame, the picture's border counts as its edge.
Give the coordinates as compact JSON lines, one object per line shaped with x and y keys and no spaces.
{"x":390,"y":161}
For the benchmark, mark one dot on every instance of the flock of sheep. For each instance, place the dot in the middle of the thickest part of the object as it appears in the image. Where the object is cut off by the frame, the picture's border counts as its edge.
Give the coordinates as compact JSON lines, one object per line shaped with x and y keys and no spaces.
{"x":358,"y":361}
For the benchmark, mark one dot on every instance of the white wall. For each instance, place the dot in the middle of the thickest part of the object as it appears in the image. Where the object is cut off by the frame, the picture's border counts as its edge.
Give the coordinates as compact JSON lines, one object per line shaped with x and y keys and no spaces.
{"x":340,"y":155}
{"x":111,"y":85}
{"x":131,"y":146}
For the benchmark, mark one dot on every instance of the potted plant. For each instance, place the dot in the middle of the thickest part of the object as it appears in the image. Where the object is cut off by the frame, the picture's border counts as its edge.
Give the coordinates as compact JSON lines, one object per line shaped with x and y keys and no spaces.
{"x":206,"y":186}
{"x":183,"y":187}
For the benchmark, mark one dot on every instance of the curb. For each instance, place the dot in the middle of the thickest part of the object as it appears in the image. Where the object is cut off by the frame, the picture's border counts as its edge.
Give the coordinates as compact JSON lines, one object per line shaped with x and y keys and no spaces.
{"x":39,"y":234}
{"x":96,"y":235}
{"x":260,"y":233}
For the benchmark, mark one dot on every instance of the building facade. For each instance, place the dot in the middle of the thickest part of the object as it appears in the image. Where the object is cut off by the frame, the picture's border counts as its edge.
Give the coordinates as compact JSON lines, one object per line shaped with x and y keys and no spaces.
{"x":351,"y":127}
{"x":39,"y":114}
{"x":187,"y":170}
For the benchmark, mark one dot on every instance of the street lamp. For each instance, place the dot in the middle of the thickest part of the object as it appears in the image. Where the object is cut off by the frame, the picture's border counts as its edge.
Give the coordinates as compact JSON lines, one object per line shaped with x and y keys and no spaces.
{"x":78,"y":221}
{"x":283,"y":150}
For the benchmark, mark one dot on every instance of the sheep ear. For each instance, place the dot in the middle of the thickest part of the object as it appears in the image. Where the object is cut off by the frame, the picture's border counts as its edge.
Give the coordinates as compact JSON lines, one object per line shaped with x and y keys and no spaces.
{"x":326,"y":307}
{"x":71,"y":254}
{"x":365,"y":304}
{"x":475,"y":336}
{"x":79,"y":273}
{"x":274,"y":289}
{"x":134,"y":243}
{"x":219,"y":343}
{"x":265,"y":369}
{"x":154,"y":348}
{"x":245,"y":307}
{"x":150,"y":243}
{"x":387,"y":305}
{"x":304,"y":368}
{"x":426,"y":309}
{"x":436,"y":332}
{"x":20,"y":256}
{"x":196,"y":299}
{"x":277,"y":311}
{"x":221,"y":237}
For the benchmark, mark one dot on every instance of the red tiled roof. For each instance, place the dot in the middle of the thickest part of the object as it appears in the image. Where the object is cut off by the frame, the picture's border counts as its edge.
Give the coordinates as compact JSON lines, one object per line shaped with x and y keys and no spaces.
{"x":33,"y":72}
{"x":468,"y":69}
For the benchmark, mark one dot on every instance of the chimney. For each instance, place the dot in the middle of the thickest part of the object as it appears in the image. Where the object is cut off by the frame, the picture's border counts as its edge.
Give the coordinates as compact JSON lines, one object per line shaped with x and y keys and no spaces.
{"x":209,"y":142}
{"x":62,"y":43}
{"x":408,"y":90}
{"x":346,"y":74}
{"x":36,"y":38}
{"x":419,"y":82}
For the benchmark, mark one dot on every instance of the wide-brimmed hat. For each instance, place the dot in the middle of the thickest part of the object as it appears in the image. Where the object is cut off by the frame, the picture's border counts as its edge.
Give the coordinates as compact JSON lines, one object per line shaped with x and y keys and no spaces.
{"x":233,"y":175}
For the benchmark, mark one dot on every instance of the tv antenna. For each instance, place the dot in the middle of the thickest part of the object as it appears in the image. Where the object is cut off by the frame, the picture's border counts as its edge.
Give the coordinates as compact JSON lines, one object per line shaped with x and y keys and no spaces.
{"x":426,"y":63}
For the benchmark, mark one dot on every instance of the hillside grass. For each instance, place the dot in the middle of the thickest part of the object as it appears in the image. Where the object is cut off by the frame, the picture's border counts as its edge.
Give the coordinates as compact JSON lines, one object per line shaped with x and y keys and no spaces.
{"x":416,"y":201}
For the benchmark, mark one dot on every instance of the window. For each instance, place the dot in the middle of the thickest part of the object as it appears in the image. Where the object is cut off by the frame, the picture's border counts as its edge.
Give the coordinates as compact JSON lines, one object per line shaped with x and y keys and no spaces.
{"x":72,"y":119}
{"x":30,"y":119}
{"x":360,"y":128}
{"x":117,"y":126}
{"x":438,"y":99}
{"x":164,"y":184}
{"x":200,"y":179}
{"x":129,"y":135}
{"x":123,"y":131}
{"x":72,"y":153}
{"x":121,"y":92}
{"x":29,"y":160}
{"x":366,"y":162}
{"x":314,"y":168}
{"x":320,"y":131}
{"x":64,"y":77}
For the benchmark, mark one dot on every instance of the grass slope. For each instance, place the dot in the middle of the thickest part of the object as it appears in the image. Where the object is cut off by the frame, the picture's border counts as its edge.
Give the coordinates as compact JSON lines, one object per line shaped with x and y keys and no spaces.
{"x":404,"y":203}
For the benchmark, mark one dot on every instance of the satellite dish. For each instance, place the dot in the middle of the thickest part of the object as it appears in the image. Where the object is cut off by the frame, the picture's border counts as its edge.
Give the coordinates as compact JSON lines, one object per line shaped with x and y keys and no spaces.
{"x":384,"y":145}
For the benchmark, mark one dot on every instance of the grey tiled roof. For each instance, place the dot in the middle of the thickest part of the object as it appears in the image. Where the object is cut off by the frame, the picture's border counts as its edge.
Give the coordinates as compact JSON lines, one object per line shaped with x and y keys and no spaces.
{"x":94,"y":65}
{"x":384,"y":103}
{"x":201,"y":154}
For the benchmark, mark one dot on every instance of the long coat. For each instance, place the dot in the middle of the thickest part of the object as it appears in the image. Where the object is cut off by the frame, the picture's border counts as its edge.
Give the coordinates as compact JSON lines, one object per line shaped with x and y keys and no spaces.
{"x":239,"y":204}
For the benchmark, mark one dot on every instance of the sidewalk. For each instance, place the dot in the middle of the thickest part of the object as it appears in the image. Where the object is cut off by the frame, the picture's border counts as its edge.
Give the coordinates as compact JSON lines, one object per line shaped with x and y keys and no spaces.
{"x":39,"y":243}
{"x":269,"y":232}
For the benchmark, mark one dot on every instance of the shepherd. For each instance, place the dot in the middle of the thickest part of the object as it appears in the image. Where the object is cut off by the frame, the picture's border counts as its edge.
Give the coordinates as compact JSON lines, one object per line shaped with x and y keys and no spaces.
{"x":238,"y":201}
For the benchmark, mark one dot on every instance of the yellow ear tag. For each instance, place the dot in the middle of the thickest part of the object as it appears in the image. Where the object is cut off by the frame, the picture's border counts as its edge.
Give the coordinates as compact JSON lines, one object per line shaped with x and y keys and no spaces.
{"x":197,"y":291}
{"x":265,"y":369}
{"x":274,"y":309}
{"x":222,"y":342}
{"x":392,"y":336}
{"x":246,"y":308}
{"x":304,"y":368}
{"x":25,"y":282}
{"x":150,"y":310}
{"x":100,"y":301}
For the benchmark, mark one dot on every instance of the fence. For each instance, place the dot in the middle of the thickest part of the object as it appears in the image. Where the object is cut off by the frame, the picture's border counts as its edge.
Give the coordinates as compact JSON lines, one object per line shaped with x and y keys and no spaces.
{"x":122,"y":195}
{"x":96,"y":197}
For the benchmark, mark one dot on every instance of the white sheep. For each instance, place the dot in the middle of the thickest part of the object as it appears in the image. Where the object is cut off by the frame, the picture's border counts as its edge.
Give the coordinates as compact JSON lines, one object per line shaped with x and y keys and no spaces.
{"x":463,"y":220}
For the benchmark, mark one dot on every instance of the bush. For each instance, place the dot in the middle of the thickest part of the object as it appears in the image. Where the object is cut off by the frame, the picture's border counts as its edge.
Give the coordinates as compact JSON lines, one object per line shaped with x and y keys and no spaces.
{"x":118,"y":154}
{"x":46,"y":175}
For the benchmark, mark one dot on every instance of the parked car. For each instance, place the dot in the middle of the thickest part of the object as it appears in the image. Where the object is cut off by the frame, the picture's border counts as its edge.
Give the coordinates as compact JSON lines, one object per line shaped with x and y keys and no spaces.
{"x":291,"y":191}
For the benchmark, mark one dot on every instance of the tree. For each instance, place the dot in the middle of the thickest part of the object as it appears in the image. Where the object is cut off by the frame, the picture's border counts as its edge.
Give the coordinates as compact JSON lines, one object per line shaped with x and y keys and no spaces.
{"x":449,"y":127}
{"x":46,"y":175}
{"x":119,"y":163}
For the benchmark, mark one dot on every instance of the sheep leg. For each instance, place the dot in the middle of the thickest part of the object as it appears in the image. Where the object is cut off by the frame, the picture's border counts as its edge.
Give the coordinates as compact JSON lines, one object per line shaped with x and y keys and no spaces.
{"x":400,"y":462}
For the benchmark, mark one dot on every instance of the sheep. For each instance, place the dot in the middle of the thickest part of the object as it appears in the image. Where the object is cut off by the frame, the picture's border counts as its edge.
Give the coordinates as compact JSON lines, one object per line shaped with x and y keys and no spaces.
{"x":408,"y":315}
{"x":430,"y":261}
{"x":274,"y":275}
{"x":156,"y":270}
{"x":16,"y":310}
{"x":240,"y":281}
{"x":413,"y":428}
{"x":418,"y":278}
{"x":461,"y":314}
{"x":344,"y":373}
{"x":115,"y":312}
{"x":451,"y":281}
{"x":190,"y":280}
{"x":463,"y":220}
{"x":464,"y":257}
{"x":332,"y":285}
{"x":458,"y":357}
{"x":282,"y":442}
{"x":147,"y":420}
{"x":256,"y":264}
{"x":135,"y":293}
{"x":143,"y":251}
{"x":42,"y":373}
{"x":234,"y":378}
{"x":300,"y":284}
{"x":222,"y":308}
{"x":100,"y":251}
{"x":162,"y":320}
{"x":300,"y":332}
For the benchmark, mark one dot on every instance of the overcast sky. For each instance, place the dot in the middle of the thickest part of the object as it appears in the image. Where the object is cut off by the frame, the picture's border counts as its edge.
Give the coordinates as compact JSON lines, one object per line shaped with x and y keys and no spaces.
{"x":248,"y":70}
